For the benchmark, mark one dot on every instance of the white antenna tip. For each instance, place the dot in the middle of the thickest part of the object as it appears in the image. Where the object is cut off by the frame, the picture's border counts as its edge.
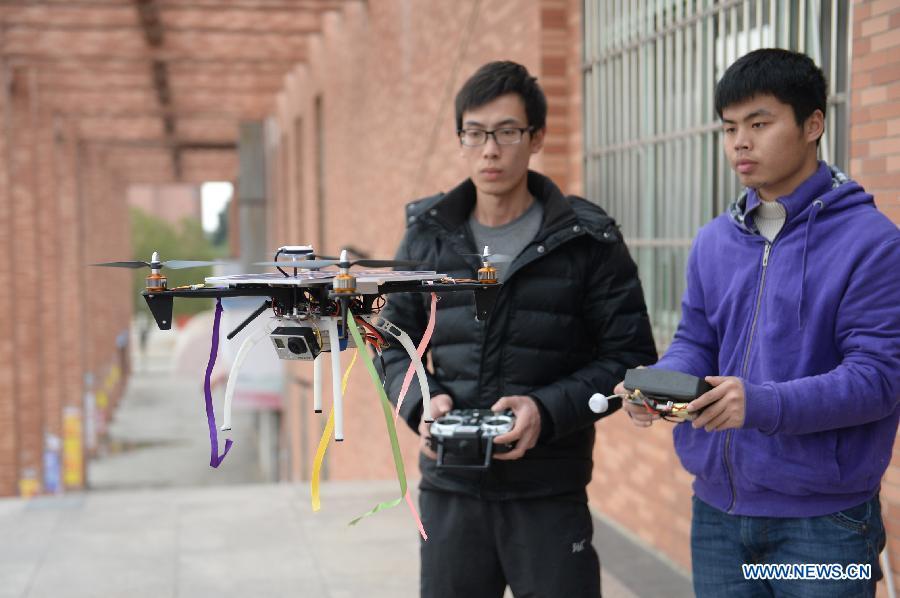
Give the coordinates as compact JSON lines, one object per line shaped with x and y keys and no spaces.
{"x":155,"y":257}
{"x":344,"y":257}
{"x":598,"y":403}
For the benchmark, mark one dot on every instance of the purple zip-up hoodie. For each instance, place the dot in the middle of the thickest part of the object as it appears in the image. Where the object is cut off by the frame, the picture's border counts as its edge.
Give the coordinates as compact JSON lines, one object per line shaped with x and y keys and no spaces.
{"x":811,"y":325}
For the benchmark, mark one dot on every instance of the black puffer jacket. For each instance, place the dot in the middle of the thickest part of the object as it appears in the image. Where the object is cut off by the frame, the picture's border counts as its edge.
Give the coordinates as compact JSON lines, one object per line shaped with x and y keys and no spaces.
{"x":568,"y":321}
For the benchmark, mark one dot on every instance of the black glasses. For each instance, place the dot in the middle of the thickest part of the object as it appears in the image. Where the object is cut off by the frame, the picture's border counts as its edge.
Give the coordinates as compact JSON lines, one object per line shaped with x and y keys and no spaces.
{"x":503,"y":136}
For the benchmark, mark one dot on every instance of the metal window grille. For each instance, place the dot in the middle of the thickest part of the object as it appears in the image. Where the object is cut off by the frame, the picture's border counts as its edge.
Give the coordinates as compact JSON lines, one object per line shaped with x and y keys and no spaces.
{"x":653,"y":156}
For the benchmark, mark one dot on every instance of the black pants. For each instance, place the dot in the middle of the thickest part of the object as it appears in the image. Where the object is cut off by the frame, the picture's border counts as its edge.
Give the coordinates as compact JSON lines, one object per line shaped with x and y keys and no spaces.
{"x":540,"y":547}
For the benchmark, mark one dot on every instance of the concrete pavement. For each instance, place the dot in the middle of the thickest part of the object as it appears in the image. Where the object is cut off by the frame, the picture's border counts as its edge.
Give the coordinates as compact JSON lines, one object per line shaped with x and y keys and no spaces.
{"x":158,"y":436}
{"x":247,"y":540}
{"x":242,"y":541}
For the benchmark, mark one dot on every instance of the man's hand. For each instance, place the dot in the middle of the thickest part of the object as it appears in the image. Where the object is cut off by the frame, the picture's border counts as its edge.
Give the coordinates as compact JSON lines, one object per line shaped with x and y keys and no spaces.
{"x":526,"y":430}
{"x":638,"y":413}
{"x":440,"y":405}
{"x":723,"y":407}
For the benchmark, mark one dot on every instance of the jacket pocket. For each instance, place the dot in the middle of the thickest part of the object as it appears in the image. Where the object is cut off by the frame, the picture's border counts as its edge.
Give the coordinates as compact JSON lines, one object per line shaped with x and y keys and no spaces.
{"x":700,"y":452}
{"x":796,"y":465}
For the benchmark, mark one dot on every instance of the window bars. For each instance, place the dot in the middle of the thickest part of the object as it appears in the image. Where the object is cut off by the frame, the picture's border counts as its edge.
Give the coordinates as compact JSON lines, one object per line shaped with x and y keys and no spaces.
{"x":652,"y":155}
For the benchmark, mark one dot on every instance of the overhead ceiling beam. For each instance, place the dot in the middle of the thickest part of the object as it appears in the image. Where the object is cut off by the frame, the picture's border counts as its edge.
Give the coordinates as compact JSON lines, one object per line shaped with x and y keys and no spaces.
{"x":205,"y":146}
{"x":148,"y":13}
{"x":254,"y":5}
{"x":180,"y":146}
{"x":68,"y":57}
{"x":133,"y":114}
{"x":11,"y":25}
{"x":211,"y":5}
{"x":232,"y":89}
{"x":187,"y":47}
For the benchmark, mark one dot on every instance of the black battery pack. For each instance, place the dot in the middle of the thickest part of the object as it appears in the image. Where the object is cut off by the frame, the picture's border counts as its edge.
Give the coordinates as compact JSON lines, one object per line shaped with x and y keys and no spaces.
{"x":665,"y":384}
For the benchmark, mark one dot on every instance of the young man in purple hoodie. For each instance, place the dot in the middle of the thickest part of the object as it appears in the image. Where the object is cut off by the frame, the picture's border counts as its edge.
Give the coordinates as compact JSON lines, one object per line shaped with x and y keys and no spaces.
{"x":792,"y":313}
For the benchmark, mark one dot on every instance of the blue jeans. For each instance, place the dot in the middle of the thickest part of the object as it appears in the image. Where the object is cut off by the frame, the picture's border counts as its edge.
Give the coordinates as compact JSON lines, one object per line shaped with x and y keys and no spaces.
{"x":721,"y":543}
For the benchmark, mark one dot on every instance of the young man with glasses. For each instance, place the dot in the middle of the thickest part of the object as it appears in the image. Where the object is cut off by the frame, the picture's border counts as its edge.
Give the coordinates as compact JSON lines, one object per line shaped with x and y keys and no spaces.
{"x":569,"y":319}
{"x":792,"y":312}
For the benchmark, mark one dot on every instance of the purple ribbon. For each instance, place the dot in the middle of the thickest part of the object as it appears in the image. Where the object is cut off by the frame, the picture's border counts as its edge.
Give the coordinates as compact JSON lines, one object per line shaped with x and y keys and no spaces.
{"x":214,"y":459}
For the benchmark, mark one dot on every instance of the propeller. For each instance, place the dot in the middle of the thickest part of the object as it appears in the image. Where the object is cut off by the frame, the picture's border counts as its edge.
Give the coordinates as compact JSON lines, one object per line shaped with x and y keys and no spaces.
{"x":385,"y":263}
{"x":494,"y":258}
{"x":316,"y":264}
{"x":155,"y":263}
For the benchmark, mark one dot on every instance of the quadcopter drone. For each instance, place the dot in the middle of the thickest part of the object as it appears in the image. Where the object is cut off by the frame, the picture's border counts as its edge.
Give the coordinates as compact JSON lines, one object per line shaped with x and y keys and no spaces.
{"x":311,"y":307}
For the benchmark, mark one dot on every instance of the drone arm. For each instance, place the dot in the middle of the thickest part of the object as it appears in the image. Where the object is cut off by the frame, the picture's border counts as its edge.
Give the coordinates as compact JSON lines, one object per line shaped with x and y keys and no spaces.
{"x":266,"y":305}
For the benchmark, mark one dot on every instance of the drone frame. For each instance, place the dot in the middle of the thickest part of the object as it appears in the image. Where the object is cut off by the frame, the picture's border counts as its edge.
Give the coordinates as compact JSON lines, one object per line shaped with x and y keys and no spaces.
{"x":289,"y":301}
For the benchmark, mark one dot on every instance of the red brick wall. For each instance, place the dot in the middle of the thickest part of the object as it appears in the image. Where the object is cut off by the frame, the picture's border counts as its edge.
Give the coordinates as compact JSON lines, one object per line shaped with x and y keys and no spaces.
{"x":108,"y":311}
{"x":576,"y":104}
{"x":61,"y":207}
{"x":640,"y":484}
{"x":875,"y":162}
{"x":875,"y":102}
{"x":556,"y":55}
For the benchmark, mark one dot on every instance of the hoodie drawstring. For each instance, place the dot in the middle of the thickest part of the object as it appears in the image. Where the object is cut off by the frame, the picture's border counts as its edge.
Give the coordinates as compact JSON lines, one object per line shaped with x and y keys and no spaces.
{"x":816,"y":207}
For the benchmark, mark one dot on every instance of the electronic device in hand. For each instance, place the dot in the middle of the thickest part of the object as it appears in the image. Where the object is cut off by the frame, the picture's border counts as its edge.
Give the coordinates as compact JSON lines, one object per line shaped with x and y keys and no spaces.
{"x":464,"y":438}
{"x":663,"y":391}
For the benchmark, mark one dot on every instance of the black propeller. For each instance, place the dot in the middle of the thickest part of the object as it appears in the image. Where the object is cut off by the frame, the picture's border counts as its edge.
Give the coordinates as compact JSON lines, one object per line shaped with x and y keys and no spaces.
{"x":171,"y":264}
{"x":316,"y":264}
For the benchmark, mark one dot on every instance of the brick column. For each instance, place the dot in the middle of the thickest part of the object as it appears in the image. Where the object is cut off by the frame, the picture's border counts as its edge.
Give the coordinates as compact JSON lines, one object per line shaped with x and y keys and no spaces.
{"x":107,"y":291}
{"x":8,"y":413}
{"x":576,"y":98}
{"x":556,"y":50}
{"x":46,"y":262}
{"x":72,"y":276}
{"x":875,"y":102}
{"x":26,"y":280}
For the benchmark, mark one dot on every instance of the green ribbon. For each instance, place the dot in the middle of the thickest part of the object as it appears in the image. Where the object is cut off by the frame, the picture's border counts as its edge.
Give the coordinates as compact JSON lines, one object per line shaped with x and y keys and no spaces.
{"x":392,"y":431}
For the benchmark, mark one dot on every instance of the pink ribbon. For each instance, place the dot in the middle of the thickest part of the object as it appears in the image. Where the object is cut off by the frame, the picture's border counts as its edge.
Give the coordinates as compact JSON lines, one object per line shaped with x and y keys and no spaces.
{"x":420,"y":351}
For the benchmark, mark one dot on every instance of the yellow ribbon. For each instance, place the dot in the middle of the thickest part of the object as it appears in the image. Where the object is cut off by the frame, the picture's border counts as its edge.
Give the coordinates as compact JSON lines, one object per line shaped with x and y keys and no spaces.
{"x":326,"y":436}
